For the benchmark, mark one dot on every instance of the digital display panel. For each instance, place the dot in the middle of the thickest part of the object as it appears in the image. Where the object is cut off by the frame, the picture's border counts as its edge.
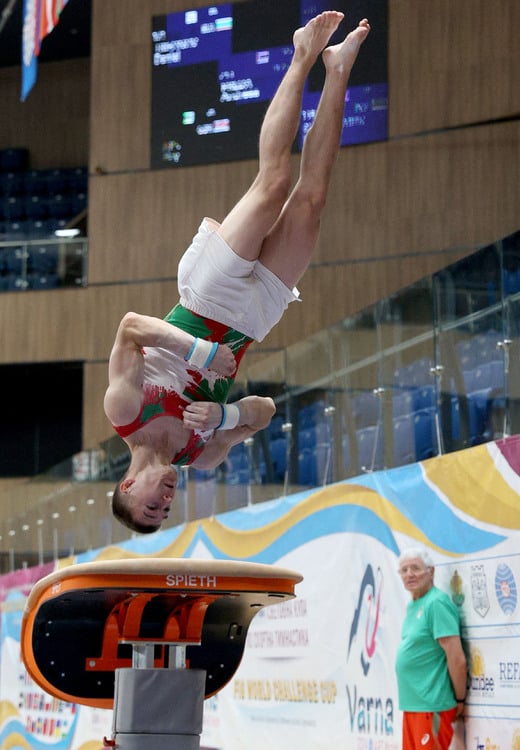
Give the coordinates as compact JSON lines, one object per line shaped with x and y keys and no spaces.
{"x":216,"y":68}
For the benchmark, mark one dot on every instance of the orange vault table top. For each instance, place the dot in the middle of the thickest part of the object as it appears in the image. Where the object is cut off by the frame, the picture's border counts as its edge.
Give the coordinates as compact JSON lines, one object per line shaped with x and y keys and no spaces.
{"x":83,"y":622}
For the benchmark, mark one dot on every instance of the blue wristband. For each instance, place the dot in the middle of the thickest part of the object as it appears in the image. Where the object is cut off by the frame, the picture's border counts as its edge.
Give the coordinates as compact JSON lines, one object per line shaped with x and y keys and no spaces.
{"x":188,"y":355}
{"x":211,"y":355}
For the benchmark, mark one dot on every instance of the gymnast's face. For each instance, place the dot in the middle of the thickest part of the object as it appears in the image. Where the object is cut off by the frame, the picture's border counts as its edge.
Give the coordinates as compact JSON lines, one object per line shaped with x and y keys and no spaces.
{"x":150,"y":494}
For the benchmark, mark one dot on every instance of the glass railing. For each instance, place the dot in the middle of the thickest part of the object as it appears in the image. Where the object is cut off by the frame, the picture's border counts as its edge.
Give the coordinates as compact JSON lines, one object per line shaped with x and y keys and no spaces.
{"x":29,"y":264}
{"x":432,"y":369}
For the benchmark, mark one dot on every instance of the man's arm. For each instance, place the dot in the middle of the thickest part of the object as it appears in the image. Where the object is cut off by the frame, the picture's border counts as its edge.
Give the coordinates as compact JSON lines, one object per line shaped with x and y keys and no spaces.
{"x":125,"y":370}
{"x":456,"y":661}
{"x":256,"y":413}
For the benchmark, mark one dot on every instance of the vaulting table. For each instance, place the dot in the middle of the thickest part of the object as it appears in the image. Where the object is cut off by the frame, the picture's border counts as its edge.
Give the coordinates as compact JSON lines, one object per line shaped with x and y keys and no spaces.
{"x":150,"y":638}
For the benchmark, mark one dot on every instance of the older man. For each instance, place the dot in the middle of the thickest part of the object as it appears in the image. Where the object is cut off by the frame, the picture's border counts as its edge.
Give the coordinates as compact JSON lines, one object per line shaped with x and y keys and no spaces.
{"x":430,"y":664}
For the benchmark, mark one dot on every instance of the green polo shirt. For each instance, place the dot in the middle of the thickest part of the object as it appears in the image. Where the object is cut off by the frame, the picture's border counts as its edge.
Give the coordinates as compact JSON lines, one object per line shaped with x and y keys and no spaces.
{"x":422,"y":672}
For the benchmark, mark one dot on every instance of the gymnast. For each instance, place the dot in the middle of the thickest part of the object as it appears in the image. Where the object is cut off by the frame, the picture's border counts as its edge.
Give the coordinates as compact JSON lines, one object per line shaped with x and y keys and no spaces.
{"x":169,"y":379}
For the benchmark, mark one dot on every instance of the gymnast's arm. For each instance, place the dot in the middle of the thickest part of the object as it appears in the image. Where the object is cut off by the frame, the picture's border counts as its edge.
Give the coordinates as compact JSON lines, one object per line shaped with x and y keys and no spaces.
{"x":256,"y":413}
{"x":125,"y":369}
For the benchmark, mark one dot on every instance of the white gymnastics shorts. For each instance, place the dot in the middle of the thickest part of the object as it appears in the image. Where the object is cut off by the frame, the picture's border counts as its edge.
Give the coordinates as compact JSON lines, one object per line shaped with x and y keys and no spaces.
{"x":217,"y":283}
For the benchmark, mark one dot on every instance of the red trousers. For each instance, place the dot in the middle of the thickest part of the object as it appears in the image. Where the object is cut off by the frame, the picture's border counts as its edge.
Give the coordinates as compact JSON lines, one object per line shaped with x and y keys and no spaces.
{"x":428,"y":731}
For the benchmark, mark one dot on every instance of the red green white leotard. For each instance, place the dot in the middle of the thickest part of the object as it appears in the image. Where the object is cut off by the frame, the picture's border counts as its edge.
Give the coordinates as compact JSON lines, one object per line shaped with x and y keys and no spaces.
{"x":170,"y":383}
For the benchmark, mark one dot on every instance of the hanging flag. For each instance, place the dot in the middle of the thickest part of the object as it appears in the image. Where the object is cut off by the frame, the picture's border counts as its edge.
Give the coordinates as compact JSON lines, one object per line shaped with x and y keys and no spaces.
{"x":30,"y":45}
{"x":39,"y":19}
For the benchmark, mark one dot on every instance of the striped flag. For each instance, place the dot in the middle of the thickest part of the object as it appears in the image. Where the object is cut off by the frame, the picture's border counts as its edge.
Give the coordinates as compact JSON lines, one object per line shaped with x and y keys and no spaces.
{"x":39,"y":19}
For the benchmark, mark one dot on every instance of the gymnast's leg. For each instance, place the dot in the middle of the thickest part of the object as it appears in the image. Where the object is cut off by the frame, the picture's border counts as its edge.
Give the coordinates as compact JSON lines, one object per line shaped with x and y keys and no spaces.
{"x":288,"y":248}
{"x":248,"y":223}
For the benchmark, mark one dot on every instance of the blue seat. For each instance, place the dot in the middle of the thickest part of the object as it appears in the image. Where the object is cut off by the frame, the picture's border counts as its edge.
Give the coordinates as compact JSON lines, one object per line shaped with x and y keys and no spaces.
{"x":38,"y":229}
{"x":307,"y":438}
{"x":57,"y":182}
{"x":12,"y":183}
{"x":15,"y":283}
{"x":366,"y":409}
{"x":420,"y":371}
{"x":370,"y":448}
{"x":78,"y":202}
{"x":307,"y":468}
{"x":43,"y":259}
{"x":416,"y":374}
{"x":278,"y":450}
{"x":404,"y":439}
{"x":489,"y":375}
{"x":309,"y":415}
{"x":15,"y":231}
{"x":42,"y":281}
{"x":36,"y":181}
{"x":35,"y":207}
{"x":425,"y":438}
{"x":15,"y":260}
{"x":53,"y":224}
{"x":402,"y":403}
{"x":77,"y":179}
{"x":345,"y":453}
{"x":13,"y":207}
{"x":424,"y":397}
{"x":60,"y":207}
{"x":275,"y":427}
{"x":467,"y":354}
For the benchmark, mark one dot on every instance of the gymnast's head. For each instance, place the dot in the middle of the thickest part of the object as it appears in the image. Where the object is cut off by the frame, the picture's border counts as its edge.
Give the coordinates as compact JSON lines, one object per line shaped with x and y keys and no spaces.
{"x":142,"y":499}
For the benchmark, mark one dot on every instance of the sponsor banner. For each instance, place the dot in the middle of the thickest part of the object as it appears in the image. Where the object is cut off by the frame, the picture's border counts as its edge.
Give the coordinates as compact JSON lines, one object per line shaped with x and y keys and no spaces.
{"x":318,"y":670}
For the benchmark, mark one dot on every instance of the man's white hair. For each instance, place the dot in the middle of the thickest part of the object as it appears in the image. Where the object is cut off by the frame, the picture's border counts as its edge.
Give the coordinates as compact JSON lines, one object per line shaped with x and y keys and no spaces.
{"x":420,"y":553}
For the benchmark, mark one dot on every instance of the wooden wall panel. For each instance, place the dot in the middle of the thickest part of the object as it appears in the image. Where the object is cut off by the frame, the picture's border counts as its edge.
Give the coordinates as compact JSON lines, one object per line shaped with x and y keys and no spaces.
{"x":53,"y":122}
{"x":455,"y":189}
{"x":452,"y":62}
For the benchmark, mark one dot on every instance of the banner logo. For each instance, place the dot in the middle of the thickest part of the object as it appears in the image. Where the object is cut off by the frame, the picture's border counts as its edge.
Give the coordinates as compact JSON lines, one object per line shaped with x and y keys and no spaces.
{"x":480,"y":684}
{"x":368,"y":604}
{"x":505,"y":588}
{"x":479,"y":591}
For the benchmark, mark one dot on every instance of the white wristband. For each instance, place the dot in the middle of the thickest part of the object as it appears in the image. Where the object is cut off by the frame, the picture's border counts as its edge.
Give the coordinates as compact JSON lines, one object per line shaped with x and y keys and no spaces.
{"x":201,"y":353}
{"x":230,"y":416}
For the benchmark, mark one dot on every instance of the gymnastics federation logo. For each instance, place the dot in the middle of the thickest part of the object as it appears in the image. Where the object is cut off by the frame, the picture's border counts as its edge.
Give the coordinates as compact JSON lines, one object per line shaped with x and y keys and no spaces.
{"x":505,"y":589}
{"x":368,"y":608}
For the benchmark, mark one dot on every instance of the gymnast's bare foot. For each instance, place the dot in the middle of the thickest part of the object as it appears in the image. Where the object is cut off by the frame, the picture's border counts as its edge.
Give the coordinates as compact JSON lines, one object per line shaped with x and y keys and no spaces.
{"x":310,"y":40}
{"x":342,"y":56}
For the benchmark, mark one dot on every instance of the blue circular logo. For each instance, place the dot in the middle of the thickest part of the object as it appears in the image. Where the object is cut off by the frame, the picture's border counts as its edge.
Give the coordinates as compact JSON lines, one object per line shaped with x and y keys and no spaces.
{"x":505,"y":588}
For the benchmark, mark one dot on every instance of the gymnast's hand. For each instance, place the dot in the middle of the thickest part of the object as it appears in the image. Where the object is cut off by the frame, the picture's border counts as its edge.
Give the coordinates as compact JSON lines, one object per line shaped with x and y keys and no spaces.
{"x":202,"y":415}
{"x":223,"y":363}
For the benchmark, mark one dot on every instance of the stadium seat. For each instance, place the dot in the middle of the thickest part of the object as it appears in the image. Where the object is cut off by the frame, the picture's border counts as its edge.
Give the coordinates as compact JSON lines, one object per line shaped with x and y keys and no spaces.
{"x":278,"y":449}
{"x":424,"y":397}
{"x":404,"y":439}
{"x":402,"y":403}
{"x":35,"y":207}
{"x":366,"y":409}
{"x":42,"y":281}
{"x":424,"y":429}
{"x":370,"y":448}
{"x":43,"y":259}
